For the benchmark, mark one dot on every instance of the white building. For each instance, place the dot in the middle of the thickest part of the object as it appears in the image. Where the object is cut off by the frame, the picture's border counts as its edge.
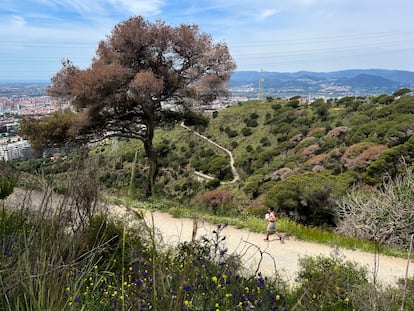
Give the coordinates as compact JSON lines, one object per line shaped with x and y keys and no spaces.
{"x":17,"y":150}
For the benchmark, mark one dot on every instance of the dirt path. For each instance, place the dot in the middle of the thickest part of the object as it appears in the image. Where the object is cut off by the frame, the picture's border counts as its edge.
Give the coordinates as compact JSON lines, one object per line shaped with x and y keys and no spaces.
{"x":269,"y":256}
{"x":236,"y":176}
{"x":257,"y":255}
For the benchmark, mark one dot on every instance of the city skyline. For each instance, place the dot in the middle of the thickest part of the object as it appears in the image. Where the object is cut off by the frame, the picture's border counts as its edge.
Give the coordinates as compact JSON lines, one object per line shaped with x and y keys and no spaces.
{"x":280,"y":36}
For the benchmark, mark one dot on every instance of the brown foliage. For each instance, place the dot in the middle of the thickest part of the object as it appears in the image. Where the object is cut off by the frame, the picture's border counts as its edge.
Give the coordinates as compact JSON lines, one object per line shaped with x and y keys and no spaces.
{"x":309,"y":151}
{"x":216,"y":197}
{"x":145,"y":85}
{"x":318,"y":168}
{"x":317,"y":159}
{"x":284,"y":172}
{"x":315,"y":130}
{"x":360,"y":156}
{"x":137,"y":68}
{"x":338,"y":131}
{"x":295,"y":138}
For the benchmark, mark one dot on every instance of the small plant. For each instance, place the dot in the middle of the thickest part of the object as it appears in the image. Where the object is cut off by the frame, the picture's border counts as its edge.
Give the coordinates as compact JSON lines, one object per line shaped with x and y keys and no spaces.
{"x":7,"y":181}
{"x":327,"y":283}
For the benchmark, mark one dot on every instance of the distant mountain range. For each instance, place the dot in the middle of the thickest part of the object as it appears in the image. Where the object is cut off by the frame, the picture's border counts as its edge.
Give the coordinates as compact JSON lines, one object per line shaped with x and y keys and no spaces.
{"x":338,"y":83}
{"x":356,"y":82}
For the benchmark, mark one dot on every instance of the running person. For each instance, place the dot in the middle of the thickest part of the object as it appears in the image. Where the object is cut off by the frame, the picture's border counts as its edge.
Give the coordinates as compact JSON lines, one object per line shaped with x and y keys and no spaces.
{"x":271,"y":227}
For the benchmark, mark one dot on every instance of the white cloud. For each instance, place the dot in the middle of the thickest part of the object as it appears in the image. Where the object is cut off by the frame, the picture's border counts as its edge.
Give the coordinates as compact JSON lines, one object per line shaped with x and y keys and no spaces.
{"x":140,"y":7}
{"x":267,"y":13}
{"x":107,"y":7}
{"x":17,"y":22}
{"x":77,"y":5}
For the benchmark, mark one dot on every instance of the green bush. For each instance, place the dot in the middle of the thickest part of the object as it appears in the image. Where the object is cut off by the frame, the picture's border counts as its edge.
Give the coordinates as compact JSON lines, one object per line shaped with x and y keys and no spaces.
{"x":254,"y":115}
{"x":212,"y":184}
{"x":251,"y":123}
{"x":308,"y":198}
{"x":327,"y":283}
{"x":109,"y":265}
{"x":246,"y":131}
{"x":264,"y":141}
{"x":232,"y":134}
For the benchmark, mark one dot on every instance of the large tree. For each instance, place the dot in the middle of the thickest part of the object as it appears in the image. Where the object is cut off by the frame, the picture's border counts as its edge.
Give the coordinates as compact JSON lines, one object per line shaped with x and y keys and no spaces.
{"x":138,"y":71}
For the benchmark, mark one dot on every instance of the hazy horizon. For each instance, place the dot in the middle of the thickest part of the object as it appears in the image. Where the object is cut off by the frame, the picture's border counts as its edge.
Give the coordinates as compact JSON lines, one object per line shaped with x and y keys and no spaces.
{"x":282,"y":36}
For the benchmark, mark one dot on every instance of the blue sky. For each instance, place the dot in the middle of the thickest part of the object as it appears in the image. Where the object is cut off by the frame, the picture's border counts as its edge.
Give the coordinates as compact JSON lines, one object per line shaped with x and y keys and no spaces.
{"x":269,"y":35}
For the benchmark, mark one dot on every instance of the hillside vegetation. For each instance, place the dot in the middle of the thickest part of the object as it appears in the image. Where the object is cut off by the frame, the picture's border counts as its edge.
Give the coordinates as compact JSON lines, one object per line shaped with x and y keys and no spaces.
{"x":342,"y":164}
{"x":301,"y":159}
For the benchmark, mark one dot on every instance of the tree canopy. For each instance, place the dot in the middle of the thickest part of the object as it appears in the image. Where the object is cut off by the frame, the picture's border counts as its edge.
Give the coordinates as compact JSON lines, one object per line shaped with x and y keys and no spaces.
{"x":59,"y":128}
{"x":310,"y":198}
{"x":140,"y":73}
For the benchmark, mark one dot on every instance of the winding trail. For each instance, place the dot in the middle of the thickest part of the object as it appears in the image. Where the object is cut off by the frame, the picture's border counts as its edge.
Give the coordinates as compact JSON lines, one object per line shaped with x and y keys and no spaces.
{"x":236,"y":175}
{"x":272,"y":257}
{"x":269,"y":258}
{"x":275,"y":257}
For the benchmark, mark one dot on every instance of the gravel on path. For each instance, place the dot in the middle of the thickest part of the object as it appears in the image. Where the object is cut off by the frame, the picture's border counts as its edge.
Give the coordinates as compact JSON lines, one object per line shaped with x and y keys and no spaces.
{"x":275,"y":257}
{"x":269,"y":258}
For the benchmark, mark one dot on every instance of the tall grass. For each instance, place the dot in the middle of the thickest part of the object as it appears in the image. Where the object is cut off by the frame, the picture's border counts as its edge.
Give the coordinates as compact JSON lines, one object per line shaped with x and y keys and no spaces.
{"x":69,"y":252}
{"x":287,"y":226}
{"x":122,"y":264}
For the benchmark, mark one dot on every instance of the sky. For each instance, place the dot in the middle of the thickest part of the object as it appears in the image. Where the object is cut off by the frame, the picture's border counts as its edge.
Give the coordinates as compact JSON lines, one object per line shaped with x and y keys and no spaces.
{"x":268,"y":35}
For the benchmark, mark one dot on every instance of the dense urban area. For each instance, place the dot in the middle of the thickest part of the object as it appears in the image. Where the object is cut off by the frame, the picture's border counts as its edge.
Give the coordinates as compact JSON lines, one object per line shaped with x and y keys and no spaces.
{"x":16,"y":102}
{"x":18,"y":99}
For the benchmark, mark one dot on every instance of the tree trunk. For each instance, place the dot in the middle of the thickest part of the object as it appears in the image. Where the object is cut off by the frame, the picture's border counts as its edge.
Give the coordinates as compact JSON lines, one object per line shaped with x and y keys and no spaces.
{"x":153,"y":168}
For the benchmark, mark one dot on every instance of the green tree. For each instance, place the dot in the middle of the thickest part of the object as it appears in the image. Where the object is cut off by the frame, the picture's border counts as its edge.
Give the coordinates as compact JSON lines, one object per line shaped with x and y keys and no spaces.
{"x":57,"y":129}
{"x":402,"y":92}
{"x":321,"y":108}
{"x":310,"y":198}
{"x":218,"y":165}
{"x":137,"y":69}
{"x":246,"y":131}
{"x":390,"y":162}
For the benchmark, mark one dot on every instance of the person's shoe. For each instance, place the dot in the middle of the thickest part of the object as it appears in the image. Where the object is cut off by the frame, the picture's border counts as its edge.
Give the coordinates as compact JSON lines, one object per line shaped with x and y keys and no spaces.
{"x":281,"y":240}
{"x":266,"y":239}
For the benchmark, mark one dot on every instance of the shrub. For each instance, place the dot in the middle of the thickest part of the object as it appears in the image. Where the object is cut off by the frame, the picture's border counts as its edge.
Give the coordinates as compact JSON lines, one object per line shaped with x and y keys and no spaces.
{"x":251,"y":123}
{"x":213,"y":183}
{"x":308,"y":198}
{"x":254,"y":115}
{"x":384,"y":214}
{"x":249,"y":148}
{"x":6,"y":186}
{"x":265,"y":141}
{"x":216,"y":198}
{"x":276,"y":107}
{"x":327,"y":283}
{"x":246,"y":131}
